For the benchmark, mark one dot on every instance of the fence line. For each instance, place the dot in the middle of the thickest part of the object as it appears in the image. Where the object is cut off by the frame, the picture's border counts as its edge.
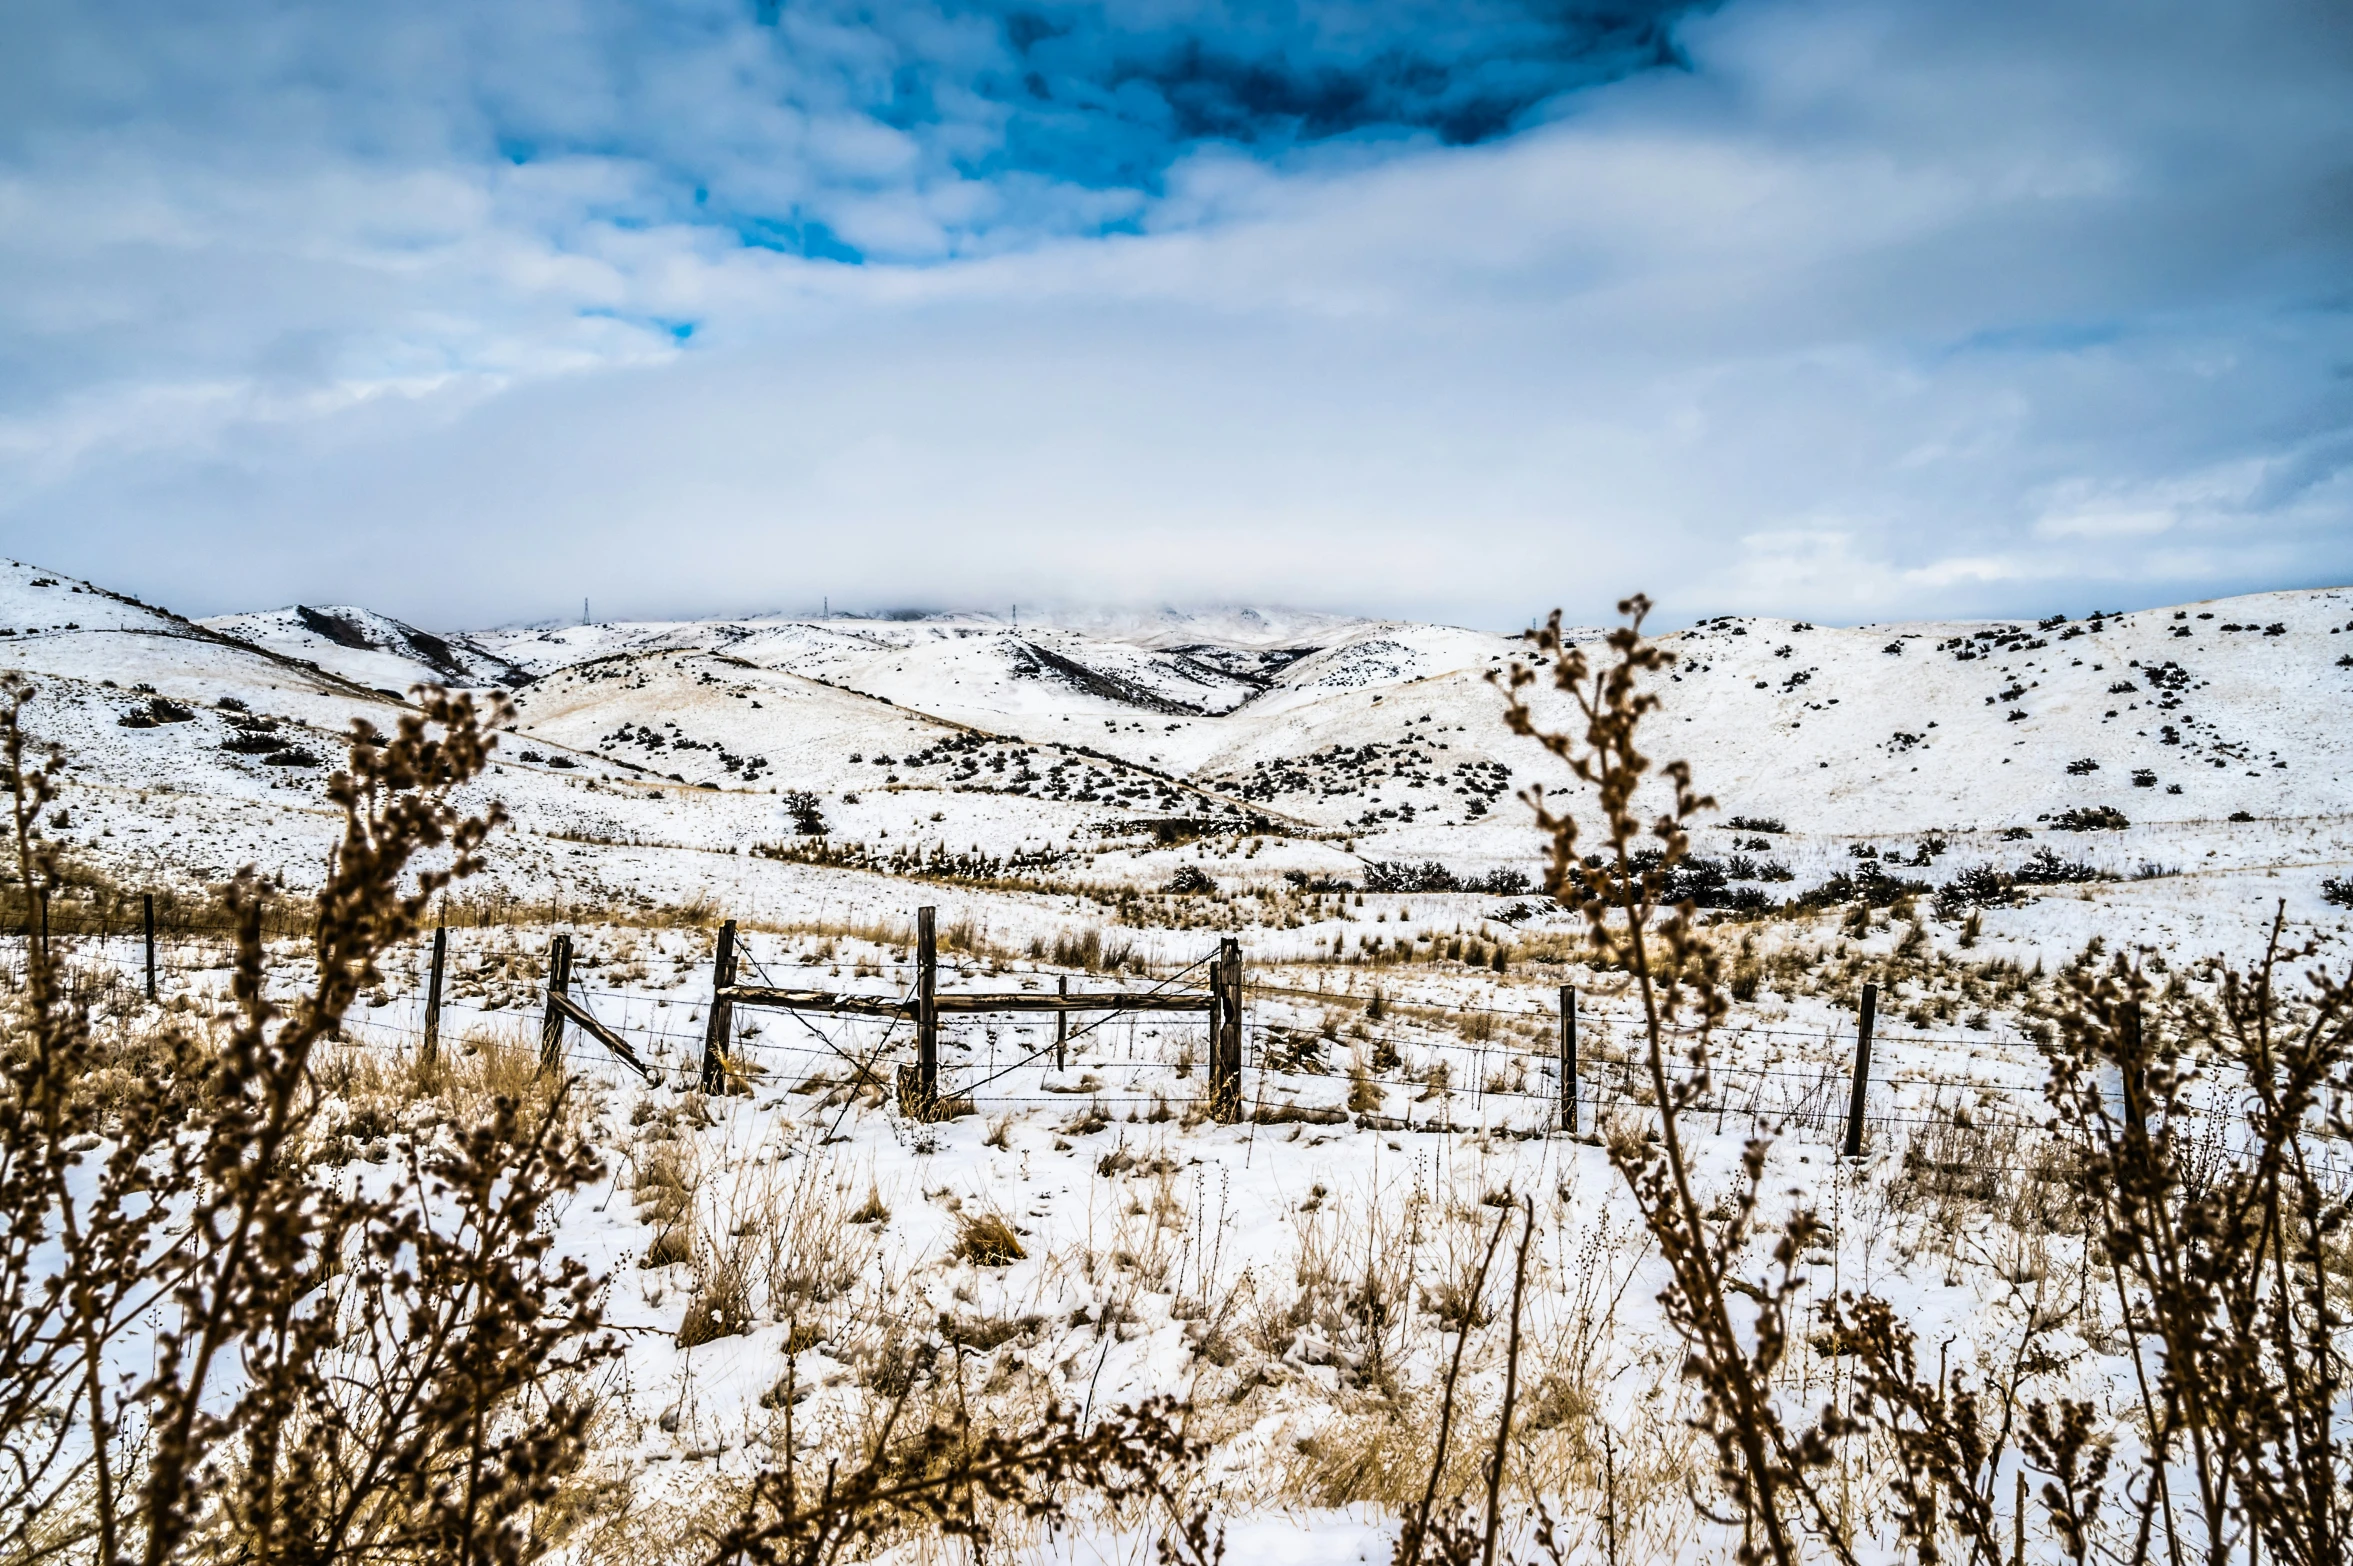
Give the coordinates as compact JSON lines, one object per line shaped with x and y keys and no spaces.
{"x":1612,"y":1083}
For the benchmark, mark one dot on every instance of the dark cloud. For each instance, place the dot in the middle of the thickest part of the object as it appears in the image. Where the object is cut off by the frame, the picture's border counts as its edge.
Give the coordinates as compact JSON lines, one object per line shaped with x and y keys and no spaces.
{"x":760,"y":115}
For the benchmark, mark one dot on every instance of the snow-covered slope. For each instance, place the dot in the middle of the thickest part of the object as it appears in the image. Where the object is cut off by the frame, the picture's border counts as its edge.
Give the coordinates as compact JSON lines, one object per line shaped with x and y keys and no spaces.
{"x":371,"y":649}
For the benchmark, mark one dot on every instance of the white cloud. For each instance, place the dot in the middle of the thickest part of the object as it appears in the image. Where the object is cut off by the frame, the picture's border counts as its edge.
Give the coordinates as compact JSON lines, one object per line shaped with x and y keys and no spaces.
{"x":1879,"y":310}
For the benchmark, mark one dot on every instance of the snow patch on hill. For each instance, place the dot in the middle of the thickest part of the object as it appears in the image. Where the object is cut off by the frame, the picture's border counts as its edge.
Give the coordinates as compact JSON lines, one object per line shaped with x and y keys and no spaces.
{"x":372,"y":649}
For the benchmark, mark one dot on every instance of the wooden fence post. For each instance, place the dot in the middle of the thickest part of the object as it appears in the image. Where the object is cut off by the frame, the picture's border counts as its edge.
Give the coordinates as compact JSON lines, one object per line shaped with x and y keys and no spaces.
{"x":1568,"y":1059}
{"x":927,"y":1008}
{"x":559,"y":979}
{"x":1217,"y":1003}
{"x":433,"y":994}
{"x":719,"y":1027}
{"x":147,"y":918}
{"x":1061,"y":1025}
{"x":1234,"y":1023}
{"x":1225,"y":1044}
{"x":1854,"y":1108}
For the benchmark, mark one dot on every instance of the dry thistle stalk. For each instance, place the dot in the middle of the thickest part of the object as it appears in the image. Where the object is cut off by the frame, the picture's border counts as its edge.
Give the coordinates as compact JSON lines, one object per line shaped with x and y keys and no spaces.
{"x":385,"y":1371}
{"x":1673,"y":968}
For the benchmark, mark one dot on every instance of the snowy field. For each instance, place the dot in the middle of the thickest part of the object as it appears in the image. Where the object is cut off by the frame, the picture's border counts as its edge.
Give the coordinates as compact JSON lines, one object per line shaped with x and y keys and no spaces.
{"x":1100,"y":802}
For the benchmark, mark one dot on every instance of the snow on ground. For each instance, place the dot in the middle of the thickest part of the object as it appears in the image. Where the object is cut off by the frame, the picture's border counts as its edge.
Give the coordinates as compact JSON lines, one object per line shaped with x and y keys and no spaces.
{"x":661,"y":777}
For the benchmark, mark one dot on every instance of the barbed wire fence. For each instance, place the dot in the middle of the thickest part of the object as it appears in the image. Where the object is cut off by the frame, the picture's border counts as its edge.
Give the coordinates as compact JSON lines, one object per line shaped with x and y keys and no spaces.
{"x":1509,"y":1084}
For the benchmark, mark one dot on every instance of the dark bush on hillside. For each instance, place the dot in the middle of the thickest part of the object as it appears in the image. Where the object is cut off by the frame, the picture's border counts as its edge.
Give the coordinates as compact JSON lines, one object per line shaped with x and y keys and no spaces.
{"x":1978,"y":886}
{"x":2098,"y":818}
{"x":1388,"y":875}
{"x":2077,"y":769}
{"x":1756,"y":824}
{"x":1867,"y":884}
{"x":1301,"y":881}
{"x":156,"y":710}
{"x":2046,"y":868}
{"x":2242,"y":815}
{"x":808,"y":819}
{"x":1699,"y":881}
{"x":1503,"y":882}
{"x":1191,"y":881}
{"x":2337,"y":890}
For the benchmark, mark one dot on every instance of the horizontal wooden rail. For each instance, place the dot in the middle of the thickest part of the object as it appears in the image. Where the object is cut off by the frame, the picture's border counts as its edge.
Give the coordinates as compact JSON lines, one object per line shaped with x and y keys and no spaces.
{"x":1007,"y":1000}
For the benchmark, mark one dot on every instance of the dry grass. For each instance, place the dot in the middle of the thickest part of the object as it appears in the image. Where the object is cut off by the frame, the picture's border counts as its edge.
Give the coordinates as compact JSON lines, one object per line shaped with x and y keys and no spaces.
{"x":810,"y":1255}
{"x":720,"y":1303}
{"x":487,"y":1063}
{"x":987,"y":1239}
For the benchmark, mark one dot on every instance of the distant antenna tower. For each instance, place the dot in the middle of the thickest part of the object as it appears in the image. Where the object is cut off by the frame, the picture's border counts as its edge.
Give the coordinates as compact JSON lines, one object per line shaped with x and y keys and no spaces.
{"x":1017,"y":617}
{"x":583,"y":611}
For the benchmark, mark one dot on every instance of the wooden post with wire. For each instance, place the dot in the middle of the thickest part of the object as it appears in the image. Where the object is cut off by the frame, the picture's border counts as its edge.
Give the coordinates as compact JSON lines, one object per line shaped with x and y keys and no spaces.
{"x":1062,"y":1025}
{"x":559,"y":979}
{"x":1216,"y":1005}
{"x":432,"y":1046}
{"x":147,"y":921}
{"x":1225,"y":1031}
{"x":718,"y":1031}
{"x":919,"y":1093}
{"x":1854,"y":1108}
{"x":1568,"y":1059}
{"x":2133,"y":1079}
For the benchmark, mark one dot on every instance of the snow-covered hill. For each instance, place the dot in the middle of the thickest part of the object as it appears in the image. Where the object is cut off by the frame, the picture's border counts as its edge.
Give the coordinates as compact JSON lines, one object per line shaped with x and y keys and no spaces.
{"x":371,"y":649}
{"x":2208,"y":737}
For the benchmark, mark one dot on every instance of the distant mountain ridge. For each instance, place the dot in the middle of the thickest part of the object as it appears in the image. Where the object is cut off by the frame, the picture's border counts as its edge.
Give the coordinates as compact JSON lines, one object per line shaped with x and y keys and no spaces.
{"x":372,"y":649}
{"x":2158,"y":738}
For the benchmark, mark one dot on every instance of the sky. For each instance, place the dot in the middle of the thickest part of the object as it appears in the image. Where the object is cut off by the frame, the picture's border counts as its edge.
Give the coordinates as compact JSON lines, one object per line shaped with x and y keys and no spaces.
{"x":1845,"y":309}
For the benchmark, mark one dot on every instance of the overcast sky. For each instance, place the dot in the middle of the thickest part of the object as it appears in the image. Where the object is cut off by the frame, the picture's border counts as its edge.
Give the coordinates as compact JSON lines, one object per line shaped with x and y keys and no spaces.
{"x":1455,"y":309}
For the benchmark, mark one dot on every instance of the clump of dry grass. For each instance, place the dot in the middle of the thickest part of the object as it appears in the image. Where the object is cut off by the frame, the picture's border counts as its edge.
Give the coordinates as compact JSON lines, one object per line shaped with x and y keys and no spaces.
{"x":988,"y":1239}
{"x":487,"y":1064}
{"x":720,"y":1304}
{"x":665,"y":1175}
